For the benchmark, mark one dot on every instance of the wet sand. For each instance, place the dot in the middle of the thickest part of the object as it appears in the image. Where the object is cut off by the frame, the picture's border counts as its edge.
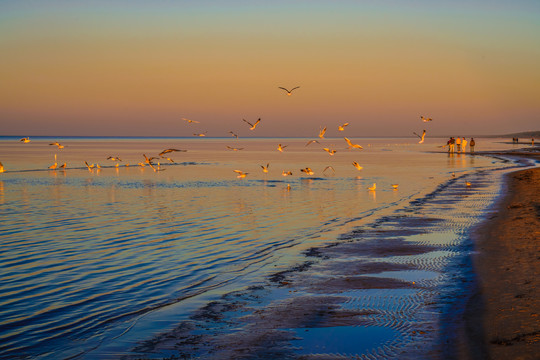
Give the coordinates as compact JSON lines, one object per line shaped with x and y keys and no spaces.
{"x":503,"y":316}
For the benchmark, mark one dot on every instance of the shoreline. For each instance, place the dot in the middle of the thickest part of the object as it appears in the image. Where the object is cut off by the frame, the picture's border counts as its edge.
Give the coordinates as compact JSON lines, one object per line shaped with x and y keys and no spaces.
{"x":502,"y":316}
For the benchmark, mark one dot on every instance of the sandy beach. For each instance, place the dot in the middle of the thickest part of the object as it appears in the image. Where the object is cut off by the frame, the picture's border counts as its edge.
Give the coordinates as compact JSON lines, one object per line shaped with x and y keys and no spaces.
{"x":503,"y":316}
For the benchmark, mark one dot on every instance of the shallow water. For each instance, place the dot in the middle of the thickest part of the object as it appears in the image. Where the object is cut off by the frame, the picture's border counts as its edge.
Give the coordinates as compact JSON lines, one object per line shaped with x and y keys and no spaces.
{"x":89,"y":254}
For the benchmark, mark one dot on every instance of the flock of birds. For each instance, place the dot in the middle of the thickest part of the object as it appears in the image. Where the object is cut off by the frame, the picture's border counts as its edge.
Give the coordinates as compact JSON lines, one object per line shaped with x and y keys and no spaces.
{"x":155,"y":162}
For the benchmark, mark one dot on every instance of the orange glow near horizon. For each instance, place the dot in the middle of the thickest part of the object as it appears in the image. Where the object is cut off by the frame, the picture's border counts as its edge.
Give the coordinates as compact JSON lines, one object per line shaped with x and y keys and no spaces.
{"x":62,"y":76}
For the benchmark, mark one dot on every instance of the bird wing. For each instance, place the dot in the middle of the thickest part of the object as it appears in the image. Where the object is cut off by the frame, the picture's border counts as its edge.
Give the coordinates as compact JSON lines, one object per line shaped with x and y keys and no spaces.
{"x":279,"y":87}
{"x":295,"y":88}
{"x":250,"y":124}
{"x":256,"y":123}
{"x":329,"y":167}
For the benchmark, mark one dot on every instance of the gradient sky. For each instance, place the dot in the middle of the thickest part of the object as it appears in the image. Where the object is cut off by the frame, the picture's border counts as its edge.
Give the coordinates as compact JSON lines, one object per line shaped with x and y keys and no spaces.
{"x":135,"y":68}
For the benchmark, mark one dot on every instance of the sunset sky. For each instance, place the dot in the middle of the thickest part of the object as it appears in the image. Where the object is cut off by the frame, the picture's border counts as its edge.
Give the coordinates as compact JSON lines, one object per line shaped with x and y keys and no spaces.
{"x":135,"y":68}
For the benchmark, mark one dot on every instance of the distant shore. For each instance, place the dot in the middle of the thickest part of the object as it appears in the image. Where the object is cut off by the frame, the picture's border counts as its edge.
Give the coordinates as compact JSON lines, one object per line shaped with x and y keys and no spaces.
{"x":502,"y":319}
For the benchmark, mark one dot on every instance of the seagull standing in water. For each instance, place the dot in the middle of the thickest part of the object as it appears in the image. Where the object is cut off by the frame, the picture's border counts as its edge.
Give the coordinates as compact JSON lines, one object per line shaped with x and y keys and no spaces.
{"x":55,"y":165}
{"x":373,"y":188}
{"x":289,"y":92}
{"x":1,"y":168}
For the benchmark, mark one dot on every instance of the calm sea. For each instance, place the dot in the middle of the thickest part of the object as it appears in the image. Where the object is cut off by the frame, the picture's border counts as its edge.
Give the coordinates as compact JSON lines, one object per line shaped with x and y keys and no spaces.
{"x":91,"y":257}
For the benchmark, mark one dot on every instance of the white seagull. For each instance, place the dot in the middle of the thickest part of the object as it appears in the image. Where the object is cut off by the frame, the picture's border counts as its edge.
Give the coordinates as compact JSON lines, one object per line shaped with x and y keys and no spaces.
{"x":253,"y":126}
{"x":421,"y":136}
{"x":241,"y":174}
{"x":321,"y":132}
{"x":307,"y":171}
{"x":281,"y":147}
{"x":353,"y":146}
{"x":330,"y":151}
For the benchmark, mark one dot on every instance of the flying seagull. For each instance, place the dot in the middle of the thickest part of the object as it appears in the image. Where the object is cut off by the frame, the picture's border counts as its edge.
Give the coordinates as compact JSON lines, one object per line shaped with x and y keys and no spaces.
{"x":170,"y":150}
{"x":351,"y":145}
{"x":265,"y":168}
{"x":307,"y":171}
{"x":330,"y":151}
{"x":253,"y":126}
{"x":281,"y":147}
{"x":233,"y":134}
{"x":311,"y":142}
{"x":241,"y":174}
{"x":191,"y":121}
{"x":421,"y":136}
{"x":357,"y":165}
{"x":321,"y":132}
{"x":424,"y":119}
{"x":329,"y":167}
{"x":25,"y":140}
{"x":342,"y":127}
{"x":289,"y":92}
{"x":57,"y":144}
